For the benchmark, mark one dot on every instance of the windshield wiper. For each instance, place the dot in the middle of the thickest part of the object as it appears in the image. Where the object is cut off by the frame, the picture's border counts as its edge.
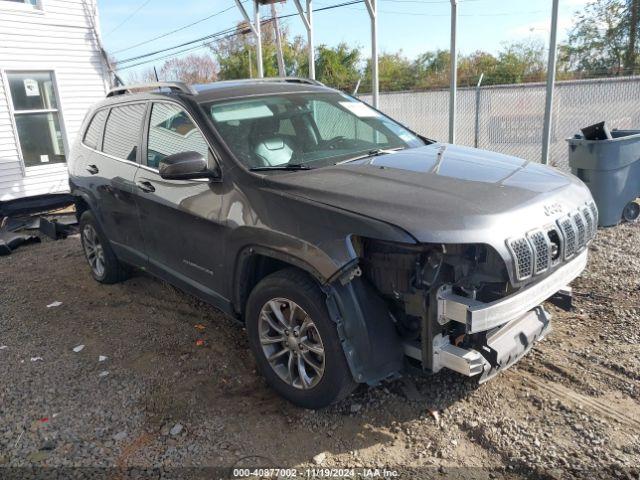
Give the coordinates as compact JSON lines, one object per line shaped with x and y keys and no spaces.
{"x":371,"y":153}
{"x":289,"y":166}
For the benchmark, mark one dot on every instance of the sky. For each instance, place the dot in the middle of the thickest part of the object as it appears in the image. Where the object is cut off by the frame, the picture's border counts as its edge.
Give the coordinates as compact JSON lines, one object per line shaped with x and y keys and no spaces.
{"x":413,"y":26}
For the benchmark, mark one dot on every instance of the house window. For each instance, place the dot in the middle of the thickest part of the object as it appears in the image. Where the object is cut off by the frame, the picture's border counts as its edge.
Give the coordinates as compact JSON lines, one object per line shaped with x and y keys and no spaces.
{"x":33,"y":3}
{"x":35,"y":110}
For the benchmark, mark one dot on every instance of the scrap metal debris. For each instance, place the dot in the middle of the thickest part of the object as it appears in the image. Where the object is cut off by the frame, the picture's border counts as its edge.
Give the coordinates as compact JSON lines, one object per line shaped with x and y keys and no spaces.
{"x":102,"y":358}
{"x":78,"y":348}
{"x":36,"y":359}
{"x":59,"y":227}
{"x":9,"y":241}
{"x":54,"y":304}
{"x":52,"y":216}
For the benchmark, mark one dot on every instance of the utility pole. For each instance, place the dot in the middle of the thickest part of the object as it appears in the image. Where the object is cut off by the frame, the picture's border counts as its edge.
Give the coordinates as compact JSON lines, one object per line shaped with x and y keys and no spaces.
{"x":307,"y":19}
{"x":630,"y":60}
{"x":453,"y":87}
{"x":372,"y":7}
{"x":276,"y":32}
{"x":551,"y":80}
{"x":256,"y":30}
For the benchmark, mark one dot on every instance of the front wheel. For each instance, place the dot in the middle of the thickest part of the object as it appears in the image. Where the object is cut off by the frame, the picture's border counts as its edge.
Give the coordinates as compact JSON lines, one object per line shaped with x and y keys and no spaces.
{"x":294,"y":341}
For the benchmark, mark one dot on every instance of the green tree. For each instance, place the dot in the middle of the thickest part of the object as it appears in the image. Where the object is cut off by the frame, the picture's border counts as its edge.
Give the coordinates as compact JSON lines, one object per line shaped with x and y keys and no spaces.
{"x":236,"y":55}
{"x":604,"y":39}
{"x":470,"y":67}
{"x":520,"y":62}
{"x":431,"y":69}
{"x":338,"y":66}
{"x":395,"y":72}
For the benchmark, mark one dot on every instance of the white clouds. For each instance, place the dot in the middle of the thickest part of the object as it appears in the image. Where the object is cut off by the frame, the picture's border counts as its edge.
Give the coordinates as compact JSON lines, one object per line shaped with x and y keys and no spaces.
{"x":575,"y":3}
{"x":539,"y":28}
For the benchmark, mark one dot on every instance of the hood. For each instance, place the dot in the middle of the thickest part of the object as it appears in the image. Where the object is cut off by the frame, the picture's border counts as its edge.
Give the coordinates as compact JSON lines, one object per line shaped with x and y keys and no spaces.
{"x":444,"y":193}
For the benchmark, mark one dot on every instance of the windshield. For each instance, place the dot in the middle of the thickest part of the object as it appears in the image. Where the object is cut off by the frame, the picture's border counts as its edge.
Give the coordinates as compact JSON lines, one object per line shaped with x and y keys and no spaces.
{"x":305,"y":130}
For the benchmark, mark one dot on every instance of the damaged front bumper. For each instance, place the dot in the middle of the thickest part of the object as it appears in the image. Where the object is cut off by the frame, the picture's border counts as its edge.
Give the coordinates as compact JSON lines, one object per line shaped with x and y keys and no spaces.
{"x":508,"y":327}
{"x":502,"y":348}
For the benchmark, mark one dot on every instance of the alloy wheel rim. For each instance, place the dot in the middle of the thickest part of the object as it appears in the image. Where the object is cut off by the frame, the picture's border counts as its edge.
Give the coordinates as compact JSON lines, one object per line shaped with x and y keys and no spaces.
{"x":93,"y":250}
{"x":291,"y":343}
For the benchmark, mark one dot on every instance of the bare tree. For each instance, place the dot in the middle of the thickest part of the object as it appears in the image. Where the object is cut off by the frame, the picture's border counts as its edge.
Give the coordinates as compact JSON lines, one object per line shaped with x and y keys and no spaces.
{"x":191,"y":69}
{"x":143,"y":76}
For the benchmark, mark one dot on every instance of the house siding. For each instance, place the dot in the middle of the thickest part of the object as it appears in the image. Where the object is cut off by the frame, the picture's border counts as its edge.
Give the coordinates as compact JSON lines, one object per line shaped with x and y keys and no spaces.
{"x":57,"y":38}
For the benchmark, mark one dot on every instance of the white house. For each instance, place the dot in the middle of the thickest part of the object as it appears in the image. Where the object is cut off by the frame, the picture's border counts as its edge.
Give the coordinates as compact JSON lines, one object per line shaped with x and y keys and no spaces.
{"x":52,"y":70}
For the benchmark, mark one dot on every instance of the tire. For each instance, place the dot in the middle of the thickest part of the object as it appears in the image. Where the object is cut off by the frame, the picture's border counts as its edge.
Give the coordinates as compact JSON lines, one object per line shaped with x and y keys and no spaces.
{"x":104,"y":265}
{"x":631,"y":212}
{"x":288,"y":291}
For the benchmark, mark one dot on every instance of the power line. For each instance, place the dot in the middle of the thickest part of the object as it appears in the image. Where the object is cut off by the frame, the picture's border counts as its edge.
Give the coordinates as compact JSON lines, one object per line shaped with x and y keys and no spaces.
{"x":244,"y":1}
{"x":232,"y":7}
{"x":228,"y":30}
{"x":144,"y":4}
{"x":431,"y":1}
{"x":232,"y":31}
{"x":502,"y":14}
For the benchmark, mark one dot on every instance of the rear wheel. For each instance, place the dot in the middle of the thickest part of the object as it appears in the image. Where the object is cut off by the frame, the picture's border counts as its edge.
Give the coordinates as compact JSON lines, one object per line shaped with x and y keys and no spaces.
{"x":105,"y":267}
{"x":295,"y":343}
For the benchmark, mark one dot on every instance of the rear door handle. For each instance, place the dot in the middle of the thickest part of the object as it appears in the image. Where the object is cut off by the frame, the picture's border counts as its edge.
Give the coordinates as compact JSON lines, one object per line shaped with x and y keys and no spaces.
{"x":92,"y":169}
{"x":146,"y":187}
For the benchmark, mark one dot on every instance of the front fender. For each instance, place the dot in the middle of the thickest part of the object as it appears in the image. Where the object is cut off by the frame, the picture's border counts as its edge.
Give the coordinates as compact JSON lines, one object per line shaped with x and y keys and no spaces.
{"x":369,"y":338}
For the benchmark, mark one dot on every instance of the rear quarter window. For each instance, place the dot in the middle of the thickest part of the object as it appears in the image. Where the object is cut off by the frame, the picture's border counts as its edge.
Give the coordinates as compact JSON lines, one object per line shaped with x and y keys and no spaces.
{"x":92,"y":135}
{"x":123,"y":131}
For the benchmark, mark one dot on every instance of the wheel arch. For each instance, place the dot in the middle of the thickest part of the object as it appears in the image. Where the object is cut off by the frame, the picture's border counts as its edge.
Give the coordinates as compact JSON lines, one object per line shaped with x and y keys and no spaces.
{"x":371,"y":345}
{"x":256,"y":262}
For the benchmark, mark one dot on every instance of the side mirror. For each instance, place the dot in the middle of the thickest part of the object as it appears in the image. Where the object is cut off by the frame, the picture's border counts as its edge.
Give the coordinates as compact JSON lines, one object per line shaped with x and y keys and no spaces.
{"x":184,"y":166}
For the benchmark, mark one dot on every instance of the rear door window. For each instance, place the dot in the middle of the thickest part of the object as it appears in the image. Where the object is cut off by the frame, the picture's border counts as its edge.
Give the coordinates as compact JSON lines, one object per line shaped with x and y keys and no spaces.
{"x":123,"y":131}
{"x":94,"y":131}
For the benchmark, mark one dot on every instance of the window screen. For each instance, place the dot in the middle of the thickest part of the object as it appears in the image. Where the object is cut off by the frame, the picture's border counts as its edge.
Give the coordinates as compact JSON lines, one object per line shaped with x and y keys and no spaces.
{"x":171,"y":131}
{"x":92,"y":136}
{"x":122,"y":133}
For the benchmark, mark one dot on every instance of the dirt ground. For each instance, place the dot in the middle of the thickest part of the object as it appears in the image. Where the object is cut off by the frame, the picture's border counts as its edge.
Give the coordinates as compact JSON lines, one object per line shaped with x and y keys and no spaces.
{"x":176,"y":396}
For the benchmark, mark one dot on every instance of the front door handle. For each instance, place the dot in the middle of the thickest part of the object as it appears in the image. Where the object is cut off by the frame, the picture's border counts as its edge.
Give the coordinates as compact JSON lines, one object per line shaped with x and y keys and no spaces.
{"x":146,"y":187}
{"x":92,"y":169}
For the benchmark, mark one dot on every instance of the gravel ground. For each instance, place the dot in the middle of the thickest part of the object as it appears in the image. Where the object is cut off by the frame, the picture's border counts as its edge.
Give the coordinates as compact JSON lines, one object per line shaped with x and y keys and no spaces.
{"x":178,"y":387}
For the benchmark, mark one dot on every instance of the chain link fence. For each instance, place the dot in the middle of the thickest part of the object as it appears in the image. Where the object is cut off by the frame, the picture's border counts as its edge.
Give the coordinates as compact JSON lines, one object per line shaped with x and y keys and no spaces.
{"x":509,"y":118}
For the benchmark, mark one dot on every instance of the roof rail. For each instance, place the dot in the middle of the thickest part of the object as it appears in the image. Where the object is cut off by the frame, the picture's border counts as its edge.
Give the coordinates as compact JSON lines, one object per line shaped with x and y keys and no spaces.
{"x":292,"y":80}
{"x":174,"y":86}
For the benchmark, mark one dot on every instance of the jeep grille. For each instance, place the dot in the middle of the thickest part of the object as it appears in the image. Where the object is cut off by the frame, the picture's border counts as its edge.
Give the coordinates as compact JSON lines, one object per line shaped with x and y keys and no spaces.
{"x":580,"y":229}
{"x":591,"y":225}
{"x":532,"y":252}
{"x":523,"y":254}
{"x":569,"y":236}
{"x":541,"y":250}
